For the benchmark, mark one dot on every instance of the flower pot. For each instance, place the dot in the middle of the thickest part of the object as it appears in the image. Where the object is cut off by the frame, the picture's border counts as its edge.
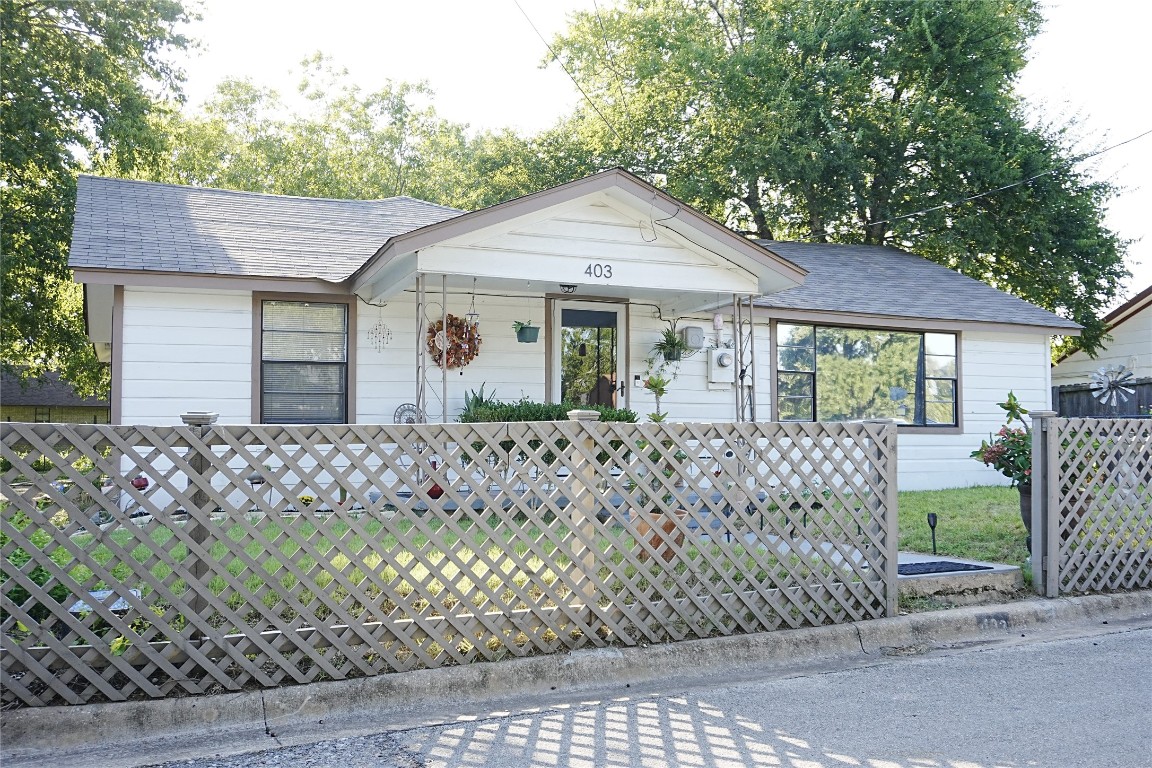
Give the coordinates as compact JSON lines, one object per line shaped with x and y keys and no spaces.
{"x":664,"y":533}
{"x":528,"y":334}
{"x":1026,"y":508}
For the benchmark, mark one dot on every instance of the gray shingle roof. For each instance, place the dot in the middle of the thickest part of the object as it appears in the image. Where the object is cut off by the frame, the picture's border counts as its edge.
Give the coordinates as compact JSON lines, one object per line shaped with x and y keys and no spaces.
{"x":49,"y":391}
{"x":139,"y":225}
{"x":875,"y":280}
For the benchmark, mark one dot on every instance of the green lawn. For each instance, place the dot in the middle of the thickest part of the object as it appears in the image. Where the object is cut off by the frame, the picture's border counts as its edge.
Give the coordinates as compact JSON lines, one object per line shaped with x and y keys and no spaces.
{"x":977,"y":523}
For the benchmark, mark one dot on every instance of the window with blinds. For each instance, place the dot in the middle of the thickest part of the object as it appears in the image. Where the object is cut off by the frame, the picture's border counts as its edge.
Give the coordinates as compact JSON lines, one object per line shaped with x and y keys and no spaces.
{"x":304,"y":363}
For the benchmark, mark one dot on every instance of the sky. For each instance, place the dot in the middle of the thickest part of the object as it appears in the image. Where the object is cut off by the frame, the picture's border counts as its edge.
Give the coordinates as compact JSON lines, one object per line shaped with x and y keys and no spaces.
{"x":482,"y":59}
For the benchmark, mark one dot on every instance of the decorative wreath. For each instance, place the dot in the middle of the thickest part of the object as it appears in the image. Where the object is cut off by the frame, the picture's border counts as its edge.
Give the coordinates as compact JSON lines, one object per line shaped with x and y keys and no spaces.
{"x":463,"y":340}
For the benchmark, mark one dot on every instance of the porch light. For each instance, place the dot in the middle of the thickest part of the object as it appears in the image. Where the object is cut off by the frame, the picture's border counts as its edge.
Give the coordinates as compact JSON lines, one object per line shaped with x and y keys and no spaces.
{"x":568,"y":287}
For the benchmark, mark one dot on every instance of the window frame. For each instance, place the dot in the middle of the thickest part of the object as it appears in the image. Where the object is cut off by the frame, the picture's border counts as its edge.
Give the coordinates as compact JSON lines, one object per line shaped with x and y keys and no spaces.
{"x":258,"y":361}
{"x":957,"y":427}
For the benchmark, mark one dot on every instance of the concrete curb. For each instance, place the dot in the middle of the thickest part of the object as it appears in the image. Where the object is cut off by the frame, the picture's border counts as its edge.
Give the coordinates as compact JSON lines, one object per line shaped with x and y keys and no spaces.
{"x":245,"y":721}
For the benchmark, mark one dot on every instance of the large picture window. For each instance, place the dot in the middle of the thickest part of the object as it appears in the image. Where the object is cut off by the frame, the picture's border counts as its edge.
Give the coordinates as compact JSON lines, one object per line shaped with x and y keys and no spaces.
{"x":846,"y":374}
{"x":304,"y":363}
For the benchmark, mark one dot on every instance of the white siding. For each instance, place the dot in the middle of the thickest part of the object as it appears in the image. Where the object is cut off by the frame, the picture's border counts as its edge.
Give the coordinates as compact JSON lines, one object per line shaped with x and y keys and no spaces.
{"x":386,"y":379}
{"x":690,"y":397}
{"x":992,"y":365}
{"x":186,"y":350}
{"x":191,"y":350}
{"x":1131,"y":347}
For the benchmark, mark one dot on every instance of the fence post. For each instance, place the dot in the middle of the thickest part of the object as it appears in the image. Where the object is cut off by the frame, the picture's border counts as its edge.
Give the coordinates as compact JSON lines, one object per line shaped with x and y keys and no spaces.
{"x":201,"y":422}
{"x":884,"y":465}
{"x":584,"y":509}
{"x":1045,"y":562}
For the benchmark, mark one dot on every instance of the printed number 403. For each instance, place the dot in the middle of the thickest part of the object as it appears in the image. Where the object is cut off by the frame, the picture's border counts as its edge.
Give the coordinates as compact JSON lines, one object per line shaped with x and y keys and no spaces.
{"x":603,"y":271}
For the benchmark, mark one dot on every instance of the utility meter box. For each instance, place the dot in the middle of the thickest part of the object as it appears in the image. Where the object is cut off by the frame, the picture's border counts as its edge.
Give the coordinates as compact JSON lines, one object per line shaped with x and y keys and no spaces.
{"x":721,"y":366}
{"x":693,"y":336}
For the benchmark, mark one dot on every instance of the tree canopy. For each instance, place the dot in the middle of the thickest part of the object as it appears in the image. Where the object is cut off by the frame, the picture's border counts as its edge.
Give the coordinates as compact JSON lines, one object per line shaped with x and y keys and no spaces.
{"x":347,"y":143}
{"x":883,"y":122}
{"x":75,"y":87}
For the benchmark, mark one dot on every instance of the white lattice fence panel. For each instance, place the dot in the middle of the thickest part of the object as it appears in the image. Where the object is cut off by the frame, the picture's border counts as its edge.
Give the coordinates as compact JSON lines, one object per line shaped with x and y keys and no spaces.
{"x":266,"y":555}
{"x":1104,"y":503}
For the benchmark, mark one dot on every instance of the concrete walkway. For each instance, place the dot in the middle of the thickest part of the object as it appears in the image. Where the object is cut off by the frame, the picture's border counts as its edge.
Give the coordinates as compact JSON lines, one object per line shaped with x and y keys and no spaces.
{"x":635,"y":695}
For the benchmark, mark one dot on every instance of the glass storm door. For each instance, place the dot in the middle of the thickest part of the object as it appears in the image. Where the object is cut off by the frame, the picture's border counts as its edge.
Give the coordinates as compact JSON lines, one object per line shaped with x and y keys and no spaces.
{"x":590,"y":343}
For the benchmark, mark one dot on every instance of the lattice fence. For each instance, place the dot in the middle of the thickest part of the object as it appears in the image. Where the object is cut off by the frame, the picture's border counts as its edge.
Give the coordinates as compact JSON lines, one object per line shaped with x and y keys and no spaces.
{"x":157,"y":561}
{"x":1099,"y":487}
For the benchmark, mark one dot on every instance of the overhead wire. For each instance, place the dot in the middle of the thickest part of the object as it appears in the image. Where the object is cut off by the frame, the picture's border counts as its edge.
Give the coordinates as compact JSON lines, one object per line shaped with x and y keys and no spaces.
{"x":1069,"y":162}
{"x":571,"y":77}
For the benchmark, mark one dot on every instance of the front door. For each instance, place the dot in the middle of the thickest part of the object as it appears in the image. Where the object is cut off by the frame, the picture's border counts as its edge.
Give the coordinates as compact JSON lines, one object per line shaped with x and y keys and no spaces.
{"x":589,"y":366}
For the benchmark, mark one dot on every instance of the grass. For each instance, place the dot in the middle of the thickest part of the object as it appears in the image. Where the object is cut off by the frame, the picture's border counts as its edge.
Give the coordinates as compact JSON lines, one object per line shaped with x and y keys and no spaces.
{"x":975,"y":523}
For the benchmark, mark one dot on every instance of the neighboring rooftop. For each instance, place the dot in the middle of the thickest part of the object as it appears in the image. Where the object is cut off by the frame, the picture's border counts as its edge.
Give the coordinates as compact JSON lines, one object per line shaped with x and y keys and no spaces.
{"x":877,"y":280}
{"x":145,"y":226}
{"x":49,"y":391}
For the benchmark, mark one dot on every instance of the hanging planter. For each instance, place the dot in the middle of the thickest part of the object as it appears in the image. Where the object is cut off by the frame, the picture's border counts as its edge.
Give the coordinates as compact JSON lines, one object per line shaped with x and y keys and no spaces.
{"x":671,"y":346}
{"x":526,"y":333}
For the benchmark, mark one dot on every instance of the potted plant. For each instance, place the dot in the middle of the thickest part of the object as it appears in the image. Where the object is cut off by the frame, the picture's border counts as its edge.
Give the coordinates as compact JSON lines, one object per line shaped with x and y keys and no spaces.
{"x":670,"y":345}
{"x":1010,"y":453}
{"x":658,"y":386}
{"x":664,"y":530}
{"x":526,"y":333}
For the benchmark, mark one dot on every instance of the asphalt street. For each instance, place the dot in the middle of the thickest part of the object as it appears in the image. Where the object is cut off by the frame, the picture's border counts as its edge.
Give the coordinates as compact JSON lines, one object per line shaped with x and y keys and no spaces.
{"x":1083,"y":700}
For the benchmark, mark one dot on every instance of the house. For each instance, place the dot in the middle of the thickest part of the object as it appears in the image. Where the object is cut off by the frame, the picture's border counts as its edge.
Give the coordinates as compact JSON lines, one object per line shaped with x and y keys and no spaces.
{"x":48,"y":399}
{"x":278,"y":309}
{"x":1129,"y":345}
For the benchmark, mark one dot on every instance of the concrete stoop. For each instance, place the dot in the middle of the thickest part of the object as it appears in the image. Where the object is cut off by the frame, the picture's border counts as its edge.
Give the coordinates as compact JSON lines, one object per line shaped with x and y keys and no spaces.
{"x":997,"y":583}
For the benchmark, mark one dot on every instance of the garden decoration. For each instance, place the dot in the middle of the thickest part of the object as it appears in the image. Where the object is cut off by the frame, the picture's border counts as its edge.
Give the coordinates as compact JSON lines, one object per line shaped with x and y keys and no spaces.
{"x":461,"y":340}
{"x":379,"y":335}
{"x":1110,"y":385}
{"x":407,"y":413}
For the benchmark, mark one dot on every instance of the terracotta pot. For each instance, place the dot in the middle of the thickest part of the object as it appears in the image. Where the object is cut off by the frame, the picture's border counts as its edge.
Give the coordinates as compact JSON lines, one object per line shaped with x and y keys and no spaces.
{"x":664,"y":533}
{"x":1026,"y":507}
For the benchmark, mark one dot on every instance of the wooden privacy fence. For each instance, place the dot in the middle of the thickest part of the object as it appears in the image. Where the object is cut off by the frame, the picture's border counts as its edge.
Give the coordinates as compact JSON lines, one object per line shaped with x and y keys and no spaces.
{"x":157,"y":561}
{"x":1071,"y":400}
{"x":1094,"y":512}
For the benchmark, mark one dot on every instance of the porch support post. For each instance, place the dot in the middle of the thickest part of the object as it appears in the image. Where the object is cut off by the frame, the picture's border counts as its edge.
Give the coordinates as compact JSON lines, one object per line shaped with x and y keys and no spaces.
{"x":444,"y":349}
{"x":750,"y":393}
{"x":421,"y":359}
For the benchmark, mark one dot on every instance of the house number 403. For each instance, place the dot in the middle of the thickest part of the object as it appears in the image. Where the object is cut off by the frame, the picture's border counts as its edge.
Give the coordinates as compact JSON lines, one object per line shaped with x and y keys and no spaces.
{"x":603,"y":271}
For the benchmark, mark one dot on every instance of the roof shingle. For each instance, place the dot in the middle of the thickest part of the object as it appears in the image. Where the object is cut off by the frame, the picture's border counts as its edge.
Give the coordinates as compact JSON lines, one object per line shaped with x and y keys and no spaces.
{"x":876,"y":280}
{"x":137,"y":225}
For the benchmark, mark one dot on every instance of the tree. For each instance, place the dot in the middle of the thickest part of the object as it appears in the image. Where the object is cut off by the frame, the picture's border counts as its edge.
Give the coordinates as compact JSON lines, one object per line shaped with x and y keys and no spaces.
{"x":348,"y":144}
{"x":74,"y":88}
{"x":869,"y":121}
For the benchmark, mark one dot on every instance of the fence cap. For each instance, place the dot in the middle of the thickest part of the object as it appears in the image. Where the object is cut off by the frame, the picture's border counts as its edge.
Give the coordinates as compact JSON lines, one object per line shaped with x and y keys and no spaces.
{"x":199,"y":418}
{"x":583,"y":415}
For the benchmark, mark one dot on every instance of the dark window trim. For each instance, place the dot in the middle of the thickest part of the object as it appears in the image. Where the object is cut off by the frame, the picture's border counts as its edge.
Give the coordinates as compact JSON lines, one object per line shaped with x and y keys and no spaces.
{"x":258,"y":300}
{"x":937,"y":429}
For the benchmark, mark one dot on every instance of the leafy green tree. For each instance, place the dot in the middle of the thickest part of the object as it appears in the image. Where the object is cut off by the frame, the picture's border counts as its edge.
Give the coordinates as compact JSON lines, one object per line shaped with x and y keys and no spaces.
{"x":75,"y":87}
{"x":345,"y":143}
{"x":843,"y":120}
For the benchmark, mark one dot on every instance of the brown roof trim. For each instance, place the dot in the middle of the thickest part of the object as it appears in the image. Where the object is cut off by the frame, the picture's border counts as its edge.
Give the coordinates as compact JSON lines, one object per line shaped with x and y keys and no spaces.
{"x":538,"y":201}
{"x":1129,"y":308}
{"x":163,"y":279}
{"x":901,"y":322}
{"x":1118,"y":316}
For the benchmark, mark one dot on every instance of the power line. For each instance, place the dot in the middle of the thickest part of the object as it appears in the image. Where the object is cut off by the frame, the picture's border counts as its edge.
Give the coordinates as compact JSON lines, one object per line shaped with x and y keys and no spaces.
{"x":556,"y":59}
{"x":1029,"y":180}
